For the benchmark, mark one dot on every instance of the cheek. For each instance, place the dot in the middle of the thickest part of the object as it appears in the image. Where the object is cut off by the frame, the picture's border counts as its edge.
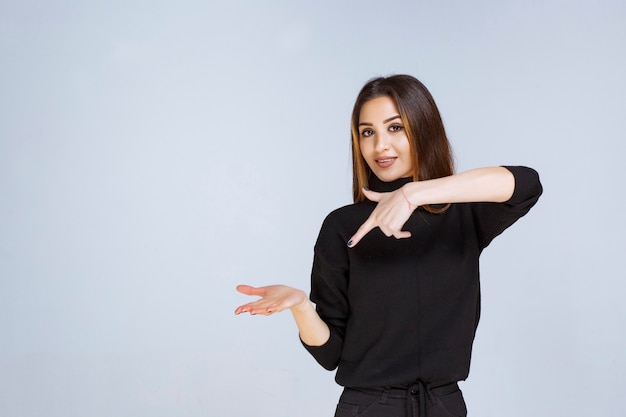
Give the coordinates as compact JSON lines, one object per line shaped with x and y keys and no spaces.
{"x":403,"y":145}
{"x":365,"y":150}
{"x":366,"y":154}
{"x":405,"y":149}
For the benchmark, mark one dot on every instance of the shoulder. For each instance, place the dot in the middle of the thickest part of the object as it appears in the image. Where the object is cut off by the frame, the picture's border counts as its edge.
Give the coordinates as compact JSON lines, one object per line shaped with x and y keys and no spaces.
{"x":340,"y":224}
{"x":348,"y":214}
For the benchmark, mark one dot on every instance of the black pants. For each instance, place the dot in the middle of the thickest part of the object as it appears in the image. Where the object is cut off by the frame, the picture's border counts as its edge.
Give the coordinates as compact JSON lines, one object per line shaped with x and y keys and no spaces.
{"x":418,"y":400}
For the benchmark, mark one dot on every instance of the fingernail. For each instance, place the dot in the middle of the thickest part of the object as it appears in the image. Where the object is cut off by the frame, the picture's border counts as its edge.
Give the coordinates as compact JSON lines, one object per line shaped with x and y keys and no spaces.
{"x":350,"y":243}
{"x":366,"y":189}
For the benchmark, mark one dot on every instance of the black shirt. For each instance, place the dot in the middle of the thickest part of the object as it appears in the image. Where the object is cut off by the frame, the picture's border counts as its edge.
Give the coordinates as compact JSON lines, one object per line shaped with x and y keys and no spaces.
{"x":400,"y":310}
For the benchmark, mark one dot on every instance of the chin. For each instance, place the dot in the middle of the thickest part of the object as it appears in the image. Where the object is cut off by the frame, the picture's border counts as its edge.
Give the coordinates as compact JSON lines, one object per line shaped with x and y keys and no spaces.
{"x":387,"y":177}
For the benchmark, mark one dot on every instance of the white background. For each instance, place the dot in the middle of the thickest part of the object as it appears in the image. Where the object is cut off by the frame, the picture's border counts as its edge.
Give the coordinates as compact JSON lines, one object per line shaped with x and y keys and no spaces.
{"x":155,"y":154}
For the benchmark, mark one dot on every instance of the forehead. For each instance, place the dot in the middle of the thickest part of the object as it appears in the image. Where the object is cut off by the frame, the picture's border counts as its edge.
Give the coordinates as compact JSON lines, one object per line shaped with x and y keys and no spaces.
{"x":377,"y":109}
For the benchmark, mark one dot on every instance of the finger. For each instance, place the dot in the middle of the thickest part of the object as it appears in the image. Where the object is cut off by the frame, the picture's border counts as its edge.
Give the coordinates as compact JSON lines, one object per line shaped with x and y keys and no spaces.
{"x":264,"y":310}
{"x":270,"y":310}
{"x":242,"y":309}
{"x":371,"y":195}
{"x":362,"y":231}
{"x":247,"y":308}
{"x":257,"y":307}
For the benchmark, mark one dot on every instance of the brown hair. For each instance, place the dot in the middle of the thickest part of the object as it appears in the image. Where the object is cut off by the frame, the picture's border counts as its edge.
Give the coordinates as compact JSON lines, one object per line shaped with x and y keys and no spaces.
{"x":423,"y":125}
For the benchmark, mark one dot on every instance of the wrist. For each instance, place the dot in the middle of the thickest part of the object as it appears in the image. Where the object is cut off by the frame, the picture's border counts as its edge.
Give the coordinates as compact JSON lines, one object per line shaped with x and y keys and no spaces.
{"x":410,"y":192}
{"x":410,"y":205}
{"x":303,"y":306}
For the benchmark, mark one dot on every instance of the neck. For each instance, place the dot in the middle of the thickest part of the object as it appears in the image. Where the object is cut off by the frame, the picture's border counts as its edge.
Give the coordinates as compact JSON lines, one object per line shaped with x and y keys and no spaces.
{"x":384,"y":187}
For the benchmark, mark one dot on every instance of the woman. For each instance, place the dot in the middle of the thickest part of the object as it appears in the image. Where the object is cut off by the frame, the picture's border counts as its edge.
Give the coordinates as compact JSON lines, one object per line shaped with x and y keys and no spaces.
{"x":395,"y":277}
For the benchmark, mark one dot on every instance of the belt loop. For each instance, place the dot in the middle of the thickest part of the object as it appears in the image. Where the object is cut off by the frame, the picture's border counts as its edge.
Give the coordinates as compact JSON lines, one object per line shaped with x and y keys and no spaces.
{"x":383,"y":398}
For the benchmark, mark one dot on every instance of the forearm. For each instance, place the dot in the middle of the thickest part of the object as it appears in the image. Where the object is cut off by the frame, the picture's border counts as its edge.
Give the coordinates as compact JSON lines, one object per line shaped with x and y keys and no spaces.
{"x":313,"y":330}
{"x":493,"y":184}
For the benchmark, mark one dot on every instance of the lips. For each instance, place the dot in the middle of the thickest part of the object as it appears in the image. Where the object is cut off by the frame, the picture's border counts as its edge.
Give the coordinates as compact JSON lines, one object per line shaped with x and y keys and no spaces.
{"x":386,"y":162}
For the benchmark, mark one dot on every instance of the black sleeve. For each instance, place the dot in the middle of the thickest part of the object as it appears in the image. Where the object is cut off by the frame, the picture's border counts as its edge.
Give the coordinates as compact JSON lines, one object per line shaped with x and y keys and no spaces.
{"x":329,"y":286}
{"x":491,"y":219}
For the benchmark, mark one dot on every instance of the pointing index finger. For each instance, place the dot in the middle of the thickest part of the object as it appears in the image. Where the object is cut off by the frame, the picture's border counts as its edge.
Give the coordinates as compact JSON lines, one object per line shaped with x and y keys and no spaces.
{"x":362,"y":231}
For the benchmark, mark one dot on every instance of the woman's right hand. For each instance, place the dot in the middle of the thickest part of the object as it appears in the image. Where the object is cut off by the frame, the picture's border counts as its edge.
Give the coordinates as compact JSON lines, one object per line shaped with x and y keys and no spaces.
{"x":274,"y":298}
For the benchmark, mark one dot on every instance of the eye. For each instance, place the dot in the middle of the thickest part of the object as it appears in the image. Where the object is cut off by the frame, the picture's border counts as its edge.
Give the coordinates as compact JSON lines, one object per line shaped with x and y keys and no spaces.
{"x":396,"y":128}
{"x":366,"y":132}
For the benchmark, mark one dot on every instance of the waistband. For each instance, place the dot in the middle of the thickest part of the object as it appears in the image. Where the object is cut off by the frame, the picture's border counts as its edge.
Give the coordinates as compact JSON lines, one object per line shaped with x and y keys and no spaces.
{"x":400,"y":391}
{"x":423,"y":391}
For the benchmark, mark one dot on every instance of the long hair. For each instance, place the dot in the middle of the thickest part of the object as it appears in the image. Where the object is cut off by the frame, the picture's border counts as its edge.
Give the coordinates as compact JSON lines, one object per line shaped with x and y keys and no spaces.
{"x":432,"y":153}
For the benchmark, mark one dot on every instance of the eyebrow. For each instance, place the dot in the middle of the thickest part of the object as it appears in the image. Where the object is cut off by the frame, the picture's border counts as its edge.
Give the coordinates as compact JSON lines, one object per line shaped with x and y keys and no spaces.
{"x":384,"y":121}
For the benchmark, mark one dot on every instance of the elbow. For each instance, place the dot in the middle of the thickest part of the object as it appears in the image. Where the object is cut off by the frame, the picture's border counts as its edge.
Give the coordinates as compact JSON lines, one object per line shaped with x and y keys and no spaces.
{"x":329,"y":366}
{"x":328,"y":354}
{"x":527,"y":185}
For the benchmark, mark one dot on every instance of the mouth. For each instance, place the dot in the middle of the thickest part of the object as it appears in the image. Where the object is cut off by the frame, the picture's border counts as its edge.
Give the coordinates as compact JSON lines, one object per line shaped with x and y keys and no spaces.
{"x":385,"y":162}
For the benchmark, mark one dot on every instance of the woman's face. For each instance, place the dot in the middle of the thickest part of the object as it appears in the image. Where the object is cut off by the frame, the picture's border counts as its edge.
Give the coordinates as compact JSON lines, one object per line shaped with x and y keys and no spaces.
{"x":384,"y":144}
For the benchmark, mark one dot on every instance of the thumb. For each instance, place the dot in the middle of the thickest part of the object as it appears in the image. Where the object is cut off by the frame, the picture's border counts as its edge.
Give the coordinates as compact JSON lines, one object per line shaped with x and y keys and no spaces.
{"x":371,"y":195}
{"x":249,"y":290}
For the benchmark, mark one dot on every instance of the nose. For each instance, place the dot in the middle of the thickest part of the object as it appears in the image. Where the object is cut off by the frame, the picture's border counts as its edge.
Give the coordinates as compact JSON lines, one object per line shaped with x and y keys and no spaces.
{"x":382,"y":141}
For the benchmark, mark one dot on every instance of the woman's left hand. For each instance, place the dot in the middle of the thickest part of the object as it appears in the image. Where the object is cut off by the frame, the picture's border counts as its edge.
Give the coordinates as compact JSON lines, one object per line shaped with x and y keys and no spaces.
{"x":391,"y":213}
